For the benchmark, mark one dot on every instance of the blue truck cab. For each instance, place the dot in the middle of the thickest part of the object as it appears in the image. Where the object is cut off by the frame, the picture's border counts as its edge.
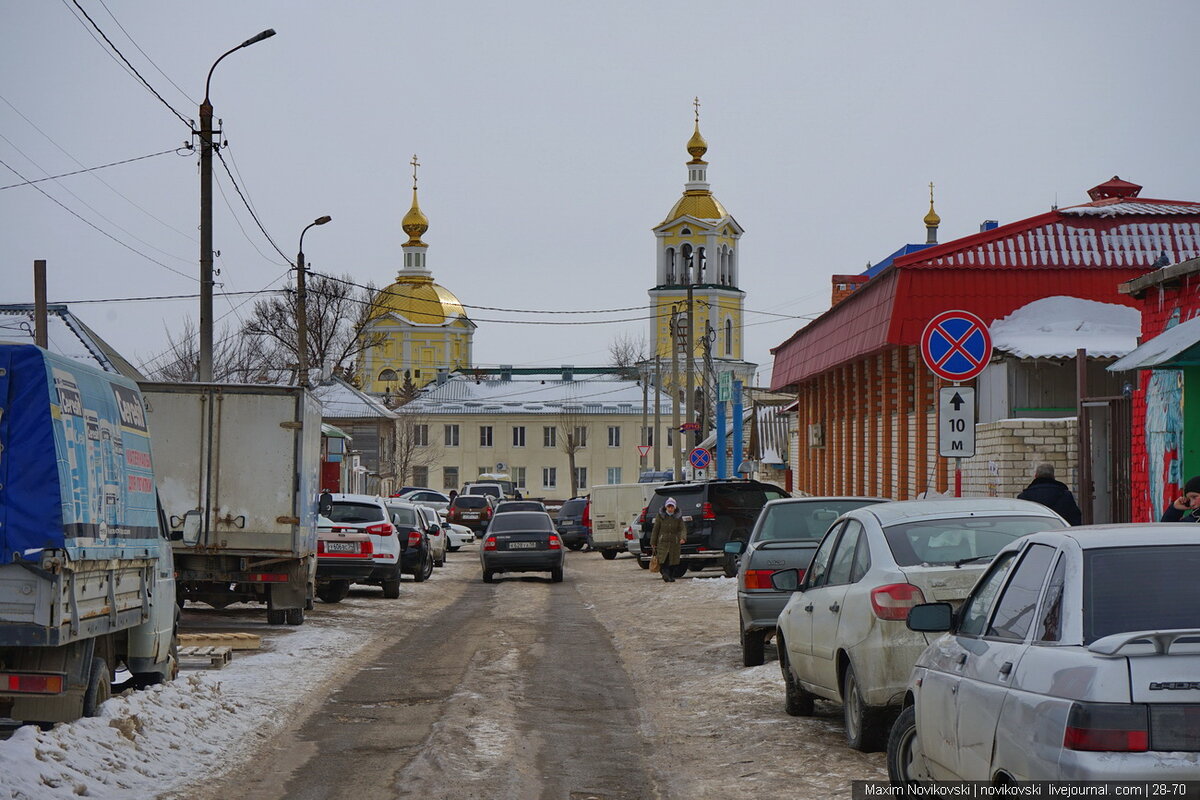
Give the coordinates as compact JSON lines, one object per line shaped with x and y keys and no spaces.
{"x":87,"y":580}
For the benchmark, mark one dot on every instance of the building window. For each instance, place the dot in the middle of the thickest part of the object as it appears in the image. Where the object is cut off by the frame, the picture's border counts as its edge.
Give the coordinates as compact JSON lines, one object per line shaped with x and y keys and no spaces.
{"x":614,"y":435}
{"x":518,"y":436}
{"x":728,"y":337}
{"x":420,"y":476}
{"x":648,"y":435}
{"x":550,"y":436}
{"x":670,"y":437}
{"x":549,"y":477}
{"x":485,"y":435}
{"x":580,"y":478}
{"x":614,"y":474}
{"x":450,"y":478}
{"x":451,"y":436}
{"x":581,"y":436}
{"x":388,"y":376}
{"x":518,"y":476}
{"x":483,"y":471}
{"x":420,"y":436}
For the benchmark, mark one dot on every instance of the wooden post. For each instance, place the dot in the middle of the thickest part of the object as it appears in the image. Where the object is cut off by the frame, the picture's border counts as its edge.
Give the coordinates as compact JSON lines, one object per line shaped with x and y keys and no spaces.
{"x":847,"y":484}
{"x":887,"y":381}
{"x":903,"y":393}
{"x":41,"y":336}
{"x":921,"y":425}
{"x":877,"y":452}
{"x":1083,"y":430}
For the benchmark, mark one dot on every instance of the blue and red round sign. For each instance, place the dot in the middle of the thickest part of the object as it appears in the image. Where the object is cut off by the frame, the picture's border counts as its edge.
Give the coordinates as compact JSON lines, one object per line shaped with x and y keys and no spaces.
{"x":700,"y":458}
{"x":956,"y":345}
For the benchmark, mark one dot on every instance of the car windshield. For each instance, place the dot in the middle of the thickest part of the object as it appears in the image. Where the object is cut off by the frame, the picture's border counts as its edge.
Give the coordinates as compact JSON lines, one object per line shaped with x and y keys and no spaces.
{"x":403,"y":515}
{"x":469,"y":501}
{"x":346,"y":511}
{"x":945,"y":541}
{"x":521,"y":521}
{"x":1115,"y":599}
{"x":807,"y":520}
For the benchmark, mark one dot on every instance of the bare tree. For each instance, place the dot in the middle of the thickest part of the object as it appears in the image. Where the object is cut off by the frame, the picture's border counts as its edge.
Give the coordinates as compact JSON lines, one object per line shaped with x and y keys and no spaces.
{"x":572,"y":436}
{"x":235,"y":360}
{"x":415,"y":446}
{"x":625,"y":352}
{"x":338,"y":311}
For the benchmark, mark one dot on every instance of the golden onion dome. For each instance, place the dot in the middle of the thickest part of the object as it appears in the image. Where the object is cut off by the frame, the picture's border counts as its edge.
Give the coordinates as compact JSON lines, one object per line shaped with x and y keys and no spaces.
{"x":697,"y":147}
{"x":701,"y":205}
{"x":932,"y":220}
{"x":418,"y":300}
{"x":415,"y":223}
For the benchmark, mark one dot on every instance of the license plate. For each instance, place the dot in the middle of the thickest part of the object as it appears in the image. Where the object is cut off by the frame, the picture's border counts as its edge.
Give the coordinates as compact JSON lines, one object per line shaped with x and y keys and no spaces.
{"x":470,"y":516}
{"x":522,"y":545}
{"x":606,"y":525}
{"x":341,"y":547}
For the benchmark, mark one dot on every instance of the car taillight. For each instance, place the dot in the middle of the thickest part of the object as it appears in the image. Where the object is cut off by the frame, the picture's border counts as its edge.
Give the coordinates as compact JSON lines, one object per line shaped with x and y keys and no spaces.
{"x":381,"y":529}
{"x":629,"y":533}
{"x":642,"y":516}
{"x":414,"y":538}
{"x":555,"y":542}
{"x":894,"y":600}
{"x":757,"y":578}
{"x":452,"y":515}
{"x":587,"y":516}
{"x":707,"y":511}
{"x":366,"y":548}
{"x":489,"y":543}
{"x":31,"y":683}
{"x":1107,"y":727}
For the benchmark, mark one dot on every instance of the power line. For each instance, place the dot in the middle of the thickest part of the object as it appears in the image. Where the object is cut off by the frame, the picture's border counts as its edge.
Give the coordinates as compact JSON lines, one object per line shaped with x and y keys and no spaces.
{"x":88,"y":169}
{"x":148,"y":58}
{"x":163,"y":297}
{"x":242,"y":228}
{"x":145,"y":82}
{"x":246,"y":203}
{"x":97,"y":229}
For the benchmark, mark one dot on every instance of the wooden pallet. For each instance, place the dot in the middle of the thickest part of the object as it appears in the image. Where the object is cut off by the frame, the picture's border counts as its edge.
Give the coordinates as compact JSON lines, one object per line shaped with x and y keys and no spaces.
{"x":234,"y":641}
{"x":217,"y":657}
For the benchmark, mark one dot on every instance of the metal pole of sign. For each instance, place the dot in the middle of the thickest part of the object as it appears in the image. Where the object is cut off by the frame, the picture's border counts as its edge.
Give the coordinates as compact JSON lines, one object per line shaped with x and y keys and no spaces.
{"x":722,"y":471}
{"x":738,"y":424}
{"x":957,"y":468}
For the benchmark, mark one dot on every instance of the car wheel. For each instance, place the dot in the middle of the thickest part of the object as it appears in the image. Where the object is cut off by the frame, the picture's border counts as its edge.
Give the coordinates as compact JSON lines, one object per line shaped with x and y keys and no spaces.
{"x":391,"y":589}
{"x":575,"y":546}
{"x":904,"y":751}
{"x":425,"y":570}
{"x":608,"y":555}
{"x":556,"y":575}
{"x":99,"y":688}
{"x":334,"y":591}
{"x":796,"y":701}
{"x":488,"y":576}
{"x":441,"y":562}
{"x":730,"y":566}
{"x":753,"y":645}
{"x":294,"y":616}
{"x":454,"y":548}
{"x":276,"y":617}
{"x":644,"y":564}
{"x":864,"y":729}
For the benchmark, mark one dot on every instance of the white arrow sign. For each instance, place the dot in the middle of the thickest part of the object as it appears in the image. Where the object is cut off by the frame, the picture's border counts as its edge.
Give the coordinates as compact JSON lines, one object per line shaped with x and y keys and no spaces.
{"x":956,"y":422}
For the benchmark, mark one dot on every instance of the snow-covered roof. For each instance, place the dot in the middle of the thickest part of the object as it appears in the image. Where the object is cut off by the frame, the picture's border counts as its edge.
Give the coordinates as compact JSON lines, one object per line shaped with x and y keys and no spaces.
{"x":1132,"y":207}
{"x":601,"y":394}
{"x":340,"y":400}
{"x":1055,"y":327}
{"x":67,"y":336}
{"x":1176,"y":347}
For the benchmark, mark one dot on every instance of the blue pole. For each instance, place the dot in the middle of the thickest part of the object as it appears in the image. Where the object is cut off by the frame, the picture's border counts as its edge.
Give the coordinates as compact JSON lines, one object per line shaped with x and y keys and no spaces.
{"x":737,"y":427}
{"x":722,"y":471}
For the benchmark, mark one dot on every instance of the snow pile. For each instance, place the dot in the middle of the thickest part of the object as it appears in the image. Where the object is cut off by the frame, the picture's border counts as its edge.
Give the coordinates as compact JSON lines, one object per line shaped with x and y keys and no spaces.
{"x":1055,"y":327}
{"x":711,"y":588}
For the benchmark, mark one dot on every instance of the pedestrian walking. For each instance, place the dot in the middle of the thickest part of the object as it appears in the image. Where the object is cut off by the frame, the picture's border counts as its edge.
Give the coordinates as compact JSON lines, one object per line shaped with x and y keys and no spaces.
{"x":667,"y":537}
{"x":1053,"y":494}
{"x":1185,"y":508}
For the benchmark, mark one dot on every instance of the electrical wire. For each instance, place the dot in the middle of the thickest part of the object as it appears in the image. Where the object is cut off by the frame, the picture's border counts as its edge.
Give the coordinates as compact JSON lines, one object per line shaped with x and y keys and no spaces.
{"x":148,"y":58}
{"x":246,"y":203}
{"x":242,"y":228}
{"x":145,"y":82}
{"x":97,"y":229}
{"x":88,"y":169}
{"x":164,"y":297}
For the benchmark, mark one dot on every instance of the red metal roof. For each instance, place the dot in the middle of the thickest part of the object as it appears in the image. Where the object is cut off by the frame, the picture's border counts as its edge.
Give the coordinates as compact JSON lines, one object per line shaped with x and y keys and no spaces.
{"x":1081,"y":251}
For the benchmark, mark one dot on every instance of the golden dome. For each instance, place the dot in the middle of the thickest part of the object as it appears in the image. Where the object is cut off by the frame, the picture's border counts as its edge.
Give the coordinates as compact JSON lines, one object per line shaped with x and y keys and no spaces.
{"x":418,"y":300}
{"x":697,"y":147}
{"x":932,"y":220}
{"x":701,"y":205}
{"x":415,"y":224}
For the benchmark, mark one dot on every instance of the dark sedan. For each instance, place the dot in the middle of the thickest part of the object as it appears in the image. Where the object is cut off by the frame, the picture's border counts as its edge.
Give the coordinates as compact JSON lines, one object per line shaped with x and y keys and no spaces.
{"x":522,"y":541}
{"x":785,"y":536}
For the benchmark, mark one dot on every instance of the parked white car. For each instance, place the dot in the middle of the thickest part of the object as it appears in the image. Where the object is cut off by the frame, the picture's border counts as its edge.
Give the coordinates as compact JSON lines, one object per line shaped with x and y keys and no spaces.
{"x":365,"y":513}
{"x":457,"y":536}
{"x":842,"y":635}
{"x":1075,"y":657}
{"x":438,"y":543}
{"x":427,"y":497}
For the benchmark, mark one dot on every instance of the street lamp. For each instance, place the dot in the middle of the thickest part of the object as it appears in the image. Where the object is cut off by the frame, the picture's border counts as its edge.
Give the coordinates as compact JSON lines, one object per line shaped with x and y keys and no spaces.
{"x":302,"y":306}
{"x":206,"y":248}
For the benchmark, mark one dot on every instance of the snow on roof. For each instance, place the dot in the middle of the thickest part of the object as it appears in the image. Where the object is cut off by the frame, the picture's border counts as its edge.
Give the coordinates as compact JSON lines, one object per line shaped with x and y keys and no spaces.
{"x":340,"y":400}
{"x":1055,"y":327}
{"x":1132,"y":207}
{"x":66,"y":336}
{"x":602,"y":394}
{"x":1174,"y":347}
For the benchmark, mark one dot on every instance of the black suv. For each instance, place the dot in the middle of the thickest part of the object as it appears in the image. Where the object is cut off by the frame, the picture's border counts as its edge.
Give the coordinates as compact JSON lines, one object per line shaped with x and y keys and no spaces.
{"x":715,"y":512}
{"x":574,"y":522}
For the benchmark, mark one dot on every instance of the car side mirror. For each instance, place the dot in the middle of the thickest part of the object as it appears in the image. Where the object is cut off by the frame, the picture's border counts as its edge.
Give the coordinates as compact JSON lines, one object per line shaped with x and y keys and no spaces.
{"x":931,"y":617}
{"x":434,"y":530}
{"x":735,"y":548}
{"x":786,"y":580}
{"x":191,"y":528}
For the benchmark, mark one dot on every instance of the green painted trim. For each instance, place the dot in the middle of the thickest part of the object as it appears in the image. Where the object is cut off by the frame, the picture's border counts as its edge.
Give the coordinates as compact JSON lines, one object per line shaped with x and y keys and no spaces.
{"x":1191,"y":423}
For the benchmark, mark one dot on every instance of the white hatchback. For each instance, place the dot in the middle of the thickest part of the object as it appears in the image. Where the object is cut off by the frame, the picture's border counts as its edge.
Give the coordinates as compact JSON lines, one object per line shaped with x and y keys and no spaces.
{"x":842,"y":635}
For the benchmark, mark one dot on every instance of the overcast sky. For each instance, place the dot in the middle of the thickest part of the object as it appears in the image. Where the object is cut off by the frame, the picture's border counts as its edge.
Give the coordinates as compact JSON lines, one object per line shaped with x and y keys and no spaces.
{"x":552,"y":137}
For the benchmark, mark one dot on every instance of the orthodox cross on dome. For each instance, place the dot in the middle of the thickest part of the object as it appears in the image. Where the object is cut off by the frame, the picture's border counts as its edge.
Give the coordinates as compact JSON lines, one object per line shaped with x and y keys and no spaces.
{"x":932,"y":220}
{"x":696,"y":104}
{"x":416,"y":164}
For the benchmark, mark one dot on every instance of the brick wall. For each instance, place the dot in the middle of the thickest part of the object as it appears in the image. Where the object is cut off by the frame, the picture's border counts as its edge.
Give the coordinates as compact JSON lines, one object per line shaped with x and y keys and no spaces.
{"x":1008,"y":450}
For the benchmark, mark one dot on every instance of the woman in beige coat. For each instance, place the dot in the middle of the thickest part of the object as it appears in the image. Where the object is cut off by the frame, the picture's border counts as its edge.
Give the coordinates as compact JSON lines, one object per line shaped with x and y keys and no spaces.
{"x":666,"y":538}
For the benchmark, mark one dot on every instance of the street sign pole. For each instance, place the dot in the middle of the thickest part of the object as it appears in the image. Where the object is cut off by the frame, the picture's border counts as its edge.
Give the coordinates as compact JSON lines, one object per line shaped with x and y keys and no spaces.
{"x":956,"y":346}
{"x":724,"y":390}
{"x":737,"y":423}
{"x":957,"y":469}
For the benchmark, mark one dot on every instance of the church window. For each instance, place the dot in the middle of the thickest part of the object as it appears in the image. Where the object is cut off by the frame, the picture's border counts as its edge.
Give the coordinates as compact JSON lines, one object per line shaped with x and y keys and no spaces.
{"x":670,"y":263}
{"x":701,"y":265}
{"x":388,"y":376}
{"x":728,"y":337}
{"x":686,"y":232}
{"x":685,"y":264}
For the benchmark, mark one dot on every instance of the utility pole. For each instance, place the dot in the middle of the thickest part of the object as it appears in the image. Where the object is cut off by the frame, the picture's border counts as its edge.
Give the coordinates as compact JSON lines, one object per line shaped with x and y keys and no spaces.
{"x":41,"y":336}
{"x":690,"y":364}
{"x":302,"y":307}
{"x":676,"y":461}
{"x":645,"y":419}
{"x":657,"y":436}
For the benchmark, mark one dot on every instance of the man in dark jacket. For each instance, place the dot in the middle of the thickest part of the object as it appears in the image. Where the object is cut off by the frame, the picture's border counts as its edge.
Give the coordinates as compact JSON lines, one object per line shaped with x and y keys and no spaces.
{"x":1053,"y":494}
{"x":1187,"y":507}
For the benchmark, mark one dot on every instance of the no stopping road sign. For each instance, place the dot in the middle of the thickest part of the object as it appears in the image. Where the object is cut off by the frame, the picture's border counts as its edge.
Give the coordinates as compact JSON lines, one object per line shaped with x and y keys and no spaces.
{"x":956,"y":345}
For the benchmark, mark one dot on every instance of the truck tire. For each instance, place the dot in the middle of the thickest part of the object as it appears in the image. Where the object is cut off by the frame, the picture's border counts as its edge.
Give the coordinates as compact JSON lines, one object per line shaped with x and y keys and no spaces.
{"x":276,"y":616}
{"x":99,"y":688}
{"x":294,"y":616}
{"x":608,"y":555}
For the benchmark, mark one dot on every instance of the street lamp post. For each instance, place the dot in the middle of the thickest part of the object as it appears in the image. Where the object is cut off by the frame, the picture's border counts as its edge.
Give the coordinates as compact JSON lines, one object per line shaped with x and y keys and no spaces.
{"x":206,"y":248}
{"x":302,"y":306}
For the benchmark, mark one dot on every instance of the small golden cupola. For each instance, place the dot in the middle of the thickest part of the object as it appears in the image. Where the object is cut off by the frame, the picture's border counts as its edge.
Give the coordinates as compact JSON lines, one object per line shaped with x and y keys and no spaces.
{"x":932,"y":220}
{"x":697,"y":200}
{"x":415,"y":223}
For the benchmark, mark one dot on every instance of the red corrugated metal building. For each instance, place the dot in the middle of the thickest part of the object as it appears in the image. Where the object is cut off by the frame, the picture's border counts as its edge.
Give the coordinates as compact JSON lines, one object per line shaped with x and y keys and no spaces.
{"x":866,"y":414}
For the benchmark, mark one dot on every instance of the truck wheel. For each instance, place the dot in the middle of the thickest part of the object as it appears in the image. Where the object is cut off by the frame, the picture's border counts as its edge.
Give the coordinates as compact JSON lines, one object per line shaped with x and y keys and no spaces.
{"x":276,"y":617}
{"x":391,"y":589}
{"x":608,"y":555}
{"x":99,"y":688}
{"x":295,"y":616}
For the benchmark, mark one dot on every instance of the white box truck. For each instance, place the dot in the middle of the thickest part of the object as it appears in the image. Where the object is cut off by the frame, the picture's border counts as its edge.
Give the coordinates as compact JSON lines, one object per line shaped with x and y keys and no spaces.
{"x":239,"y":477}
{"x":613,"y":507}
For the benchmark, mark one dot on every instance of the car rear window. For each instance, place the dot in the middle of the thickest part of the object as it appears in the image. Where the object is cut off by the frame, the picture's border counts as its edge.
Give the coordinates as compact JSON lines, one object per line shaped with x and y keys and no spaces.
{"x":945,"y":541}
{"x":521,"y":521}
{"x":345,"y":511}
{"x":749,"y":497}
{"x":1115,"y":596}
{"x":802,"y":521}
{"x":531,"y":505}
{"x":469,"y":501}
{"x":689,"y":502}
{"x":403,"y":515}
{"x":572,"y":508}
